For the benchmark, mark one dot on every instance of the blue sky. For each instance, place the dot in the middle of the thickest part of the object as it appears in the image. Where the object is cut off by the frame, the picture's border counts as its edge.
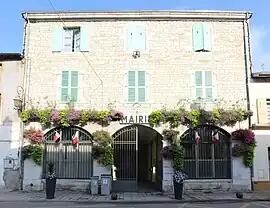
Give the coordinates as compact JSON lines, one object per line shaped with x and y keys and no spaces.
{"x":10,"y":18}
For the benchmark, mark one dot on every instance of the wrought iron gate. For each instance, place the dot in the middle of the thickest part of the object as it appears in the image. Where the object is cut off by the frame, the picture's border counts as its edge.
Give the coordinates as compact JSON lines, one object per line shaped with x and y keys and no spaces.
{"x":126,"y":159}
{"x":71,"y":162}
{"x":207,"y":160}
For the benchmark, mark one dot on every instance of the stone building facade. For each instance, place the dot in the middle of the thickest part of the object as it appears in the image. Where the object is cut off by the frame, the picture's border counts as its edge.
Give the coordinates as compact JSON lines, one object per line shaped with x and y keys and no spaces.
{"x":139,"y":61}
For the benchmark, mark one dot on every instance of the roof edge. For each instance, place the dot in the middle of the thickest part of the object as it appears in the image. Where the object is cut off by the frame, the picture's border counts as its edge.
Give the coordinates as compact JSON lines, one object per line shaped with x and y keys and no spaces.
{"x":145,"y":14}
{"x":261,"y":74}
{"x":10,"y":57}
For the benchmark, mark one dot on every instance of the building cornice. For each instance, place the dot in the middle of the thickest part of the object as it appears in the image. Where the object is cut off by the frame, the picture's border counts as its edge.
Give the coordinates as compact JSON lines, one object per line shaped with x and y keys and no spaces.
{"x":138,"y":15}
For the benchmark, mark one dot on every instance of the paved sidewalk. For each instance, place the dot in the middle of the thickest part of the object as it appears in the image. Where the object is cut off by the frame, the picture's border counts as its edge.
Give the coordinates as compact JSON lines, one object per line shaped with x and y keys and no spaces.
{"x":75,"y":196}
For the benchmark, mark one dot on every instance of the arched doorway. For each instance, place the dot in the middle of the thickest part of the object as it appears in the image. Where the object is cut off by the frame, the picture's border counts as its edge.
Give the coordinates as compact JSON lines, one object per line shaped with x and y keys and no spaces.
{"x":137,"y":160}
{"x":207,"y":159}
{"x":71,"y":161}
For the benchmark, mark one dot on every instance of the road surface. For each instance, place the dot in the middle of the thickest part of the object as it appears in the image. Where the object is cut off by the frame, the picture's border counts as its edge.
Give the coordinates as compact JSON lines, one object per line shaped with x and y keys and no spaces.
{"x":84,"y":205}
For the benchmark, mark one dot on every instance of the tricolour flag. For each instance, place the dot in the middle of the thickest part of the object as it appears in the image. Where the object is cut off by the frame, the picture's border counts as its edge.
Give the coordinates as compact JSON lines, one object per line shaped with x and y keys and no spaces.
{"x":215,"y":136}
{"x":56,"y":137}
{"x":197,"y":137}
{"x":75,"y":138}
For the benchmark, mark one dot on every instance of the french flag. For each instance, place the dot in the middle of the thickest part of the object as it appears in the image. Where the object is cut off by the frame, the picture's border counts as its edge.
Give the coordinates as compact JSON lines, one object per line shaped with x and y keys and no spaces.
{"x":197,"y":137}
{"x":56,"y":137}
{"x":215,"y":136}
{"x":75,"y":138}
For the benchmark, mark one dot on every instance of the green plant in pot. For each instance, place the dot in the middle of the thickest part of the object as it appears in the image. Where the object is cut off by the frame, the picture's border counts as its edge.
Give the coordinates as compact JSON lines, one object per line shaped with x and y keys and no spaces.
{"x":178,"y":166}
{"x":50,"y":181}
{"x":175,"y":151}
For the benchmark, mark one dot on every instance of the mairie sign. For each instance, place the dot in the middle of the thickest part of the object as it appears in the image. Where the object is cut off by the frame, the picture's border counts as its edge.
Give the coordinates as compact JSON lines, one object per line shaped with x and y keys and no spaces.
{"x":134,"y":119}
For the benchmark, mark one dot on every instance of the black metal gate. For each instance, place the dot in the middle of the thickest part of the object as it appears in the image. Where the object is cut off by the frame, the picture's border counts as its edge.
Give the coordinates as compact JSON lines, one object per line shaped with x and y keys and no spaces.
{"x":207,"y":160}
{"x":71,"y":162}
{"x":126,"y":159}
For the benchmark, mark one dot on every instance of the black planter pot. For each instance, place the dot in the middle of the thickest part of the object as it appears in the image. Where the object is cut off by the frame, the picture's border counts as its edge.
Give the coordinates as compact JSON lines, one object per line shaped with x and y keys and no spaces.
{"x":50,"y":188}
{"x":178,"y":190}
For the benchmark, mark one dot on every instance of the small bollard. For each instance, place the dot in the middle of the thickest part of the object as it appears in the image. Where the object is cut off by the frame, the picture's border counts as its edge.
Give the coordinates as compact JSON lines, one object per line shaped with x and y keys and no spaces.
{"x":239,"y":195}
{"x":114,"y":196}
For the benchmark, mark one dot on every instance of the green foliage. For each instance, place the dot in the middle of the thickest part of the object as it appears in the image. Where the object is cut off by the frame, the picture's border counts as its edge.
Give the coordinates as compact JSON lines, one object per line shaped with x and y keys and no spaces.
{"x":245,"y":147}
{"x":102,"y":149}
{"x":181,"y":116}
{"x":33,"y":152}
{"x":178,"y":157}
{"x":69,"y":116}
{"x":174,"y":150}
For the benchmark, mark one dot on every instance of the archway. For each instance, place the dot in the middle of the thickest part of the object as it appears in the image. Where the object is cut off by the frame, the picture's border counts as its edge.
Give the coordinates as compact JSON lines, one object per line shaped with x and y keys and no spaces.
{"x":71,"y":161}
{"x":207,"y":159}
{"x":137,"y":160}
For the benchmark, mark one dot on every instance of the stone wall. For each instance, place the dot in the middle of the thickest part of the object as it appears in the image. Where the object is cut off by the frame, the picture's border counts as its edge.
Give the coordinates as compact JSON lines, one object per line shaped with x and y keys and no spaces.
{"x":169,"y":61}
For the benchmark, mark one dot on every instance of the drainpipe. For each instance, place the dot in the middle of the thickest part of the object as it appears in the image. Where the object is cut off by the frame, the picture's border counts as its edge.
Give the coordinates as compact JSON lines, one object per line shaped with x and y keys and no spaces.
{"x":24,"y":55}
{"x":248,"y":72}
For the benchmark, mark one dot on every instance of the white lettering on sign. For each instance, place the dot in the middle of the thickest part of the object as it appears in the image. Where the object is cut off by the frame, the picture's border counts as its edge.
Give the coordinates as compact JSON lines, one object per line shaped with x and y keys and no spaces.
{"x":139,"y":119}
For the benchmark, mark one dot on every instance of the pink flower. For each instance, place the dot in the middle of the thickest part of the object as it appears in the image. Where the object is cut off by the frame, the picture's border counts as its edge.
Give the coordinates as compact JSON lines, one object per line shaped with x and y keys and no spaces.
{"x":55,"y":116}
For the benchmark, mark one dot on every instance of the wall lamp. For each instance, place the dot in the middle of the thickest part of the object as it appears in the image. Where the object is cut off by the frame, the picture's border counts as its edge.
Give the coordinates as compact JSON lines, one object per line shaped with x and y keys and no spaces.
{"x":19,"y":101}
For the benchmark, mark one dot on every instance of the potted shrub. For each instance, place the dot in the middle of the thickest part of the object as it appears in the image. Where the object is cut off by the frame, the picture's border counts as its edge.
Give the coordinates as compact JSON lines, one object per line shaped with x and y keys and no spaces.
{"x":175,"y":152}
{"x":50,"y":182}
{"x":178,"y":175}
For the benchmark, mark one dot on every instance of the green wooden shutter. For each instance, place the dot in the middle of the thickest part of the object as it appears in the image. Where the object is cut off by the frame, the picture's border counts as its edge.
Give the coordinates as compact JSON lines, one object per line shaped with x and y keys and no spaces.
{"x":84,"y":38}
{"x":132,"y":86}
{"x":208,"y":86}
{"x":198,"y":78}
{"x":141,"y":86}
{"x":57,"y":40}
{"x":130,"y":36}
{"x":140,"y":38}
{"x":74,"y":83}
{"x":198,"y":85}
{"x":207,"y":38}
{"x":208,"y":78}
{"x":65,"y":86}
{"x":197,"y":37}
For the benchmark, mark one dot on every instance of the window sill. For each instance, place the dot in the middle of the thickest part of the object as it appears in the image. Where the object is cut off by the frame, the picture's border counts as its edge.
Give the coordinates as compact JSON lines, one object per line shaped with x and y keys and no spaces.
{"x":141,"y":52}
{"x":260,"y":127}
{"x":207,"y":180}
{"x":75,"y":52}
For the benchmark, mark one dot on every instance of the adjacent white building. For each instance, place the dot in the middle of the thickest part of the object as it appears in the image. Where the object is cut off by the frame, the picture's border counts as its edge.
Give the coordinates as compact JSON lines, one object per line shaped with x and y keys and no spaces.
{"x":260,"y":102}
{"x":11,"y":83}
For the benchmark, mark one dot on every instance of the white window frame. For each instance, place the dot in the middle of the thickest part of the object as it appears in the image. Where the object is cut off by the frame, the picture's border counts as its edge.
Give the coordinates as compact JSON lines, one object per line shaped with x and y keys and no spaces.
{"x":268,"y":109}
{"x":75,"y":32}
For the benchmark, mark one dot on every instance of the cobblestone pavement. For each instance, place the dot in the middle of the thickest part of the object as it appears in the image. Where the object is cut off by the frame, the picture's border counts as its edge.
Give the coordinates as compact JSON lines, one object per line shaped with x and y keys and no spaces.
{"x":157,"y":197}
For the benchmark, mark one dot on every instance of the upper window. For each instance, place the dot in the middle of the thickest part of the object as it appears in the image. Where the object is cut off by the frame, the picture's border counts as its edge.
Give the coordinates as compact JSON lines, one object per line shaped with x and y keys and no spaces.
{"x":201,"y":37}
{"x":268,"y":109}
{"x":204,"y":86}
{"x":263,"y":110}
{"x":69,"y":86}
{"x":136,"y":38}
{"x":73,"y":39}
